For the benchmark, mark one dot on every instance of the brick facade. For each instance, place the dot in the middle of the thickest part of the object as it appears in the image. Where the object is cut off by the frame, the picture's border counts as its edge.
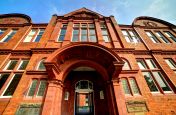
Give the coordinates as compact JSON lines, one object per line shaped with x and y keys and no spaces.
{"x":67,"y":62}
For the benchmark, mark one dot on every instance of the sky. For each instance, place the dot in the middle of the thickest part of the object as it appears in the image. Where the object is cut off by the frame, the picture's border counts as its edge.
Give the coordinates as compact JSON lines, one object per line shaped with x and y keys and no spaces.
{"x":125,"y":11}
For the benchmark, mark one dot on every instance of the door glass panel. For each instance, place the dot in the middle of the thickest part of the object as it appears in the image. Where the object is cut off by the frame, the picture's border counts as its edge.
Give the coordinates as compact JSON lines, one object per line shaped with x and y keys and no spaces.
{"x":84,"y":104}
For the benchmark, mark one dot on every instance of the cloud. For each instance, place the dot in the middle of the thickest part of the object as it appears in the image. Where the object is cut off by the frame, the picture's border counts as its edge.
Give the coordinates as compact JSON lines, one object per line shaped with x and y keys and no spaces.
{"x":161,"y":9}
{"x":53,"y":9}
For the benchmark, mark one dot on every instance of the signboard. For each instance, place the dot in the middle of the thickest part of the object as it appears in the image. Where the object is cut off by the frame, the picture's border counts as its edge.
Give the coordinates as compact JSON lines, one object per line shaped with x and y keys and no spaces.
{"x":136,"y":106}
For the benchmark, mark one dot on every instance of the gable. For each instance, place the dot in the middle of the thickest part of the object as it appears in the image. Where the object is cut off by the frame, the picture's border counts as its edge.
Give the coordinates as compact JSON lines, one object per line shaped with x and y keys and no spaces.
{"x":84,"y":12}
{"x":151,"y":22}
{"x":14,"y":19}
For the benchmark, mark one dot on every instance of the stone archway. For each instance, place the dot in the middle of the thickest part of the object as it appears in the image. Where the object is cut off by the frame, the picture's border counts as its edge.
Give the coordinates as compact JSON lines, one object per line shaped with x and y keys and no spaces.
{"x":62,"y":61}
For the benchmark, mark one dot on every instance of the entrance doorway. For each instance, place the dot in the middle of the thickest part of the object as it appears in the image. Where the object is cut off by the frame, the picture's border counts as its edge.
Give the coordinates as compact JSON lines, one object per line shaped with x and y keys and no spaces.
{"x":86,"y":92}
{"x":84,"y":104}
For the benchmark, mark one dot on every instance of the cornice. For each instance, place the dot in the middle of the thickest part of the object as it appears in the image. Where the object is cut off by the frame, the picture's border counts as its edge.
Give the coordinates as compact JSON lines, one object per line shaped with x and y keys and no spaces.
{"x":5,"y":51}
{"x":36,"y":72}
{"x":21,"y":52}
{"x":123,"y":50}
{"x":129,"y":71}
{"x":43,"y":50}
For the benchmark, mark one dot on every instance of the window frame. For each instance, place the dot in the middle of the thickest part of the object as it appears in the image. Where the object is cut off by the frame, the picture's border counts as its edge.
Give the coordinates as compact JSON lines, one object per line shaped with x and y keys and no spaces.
{"x":128,"y":64}
{"x":103,"y":27}
{"x":151,"y":72}
{"x":172,"y":62}
{"x":3,"y":30}
{"x":130,"y":86}
{"x":83,"y":26}
{"x":8,"y":64}
{"x":130,"y":37}
{"x":162,"y":37}
{"x":21,"y":62}
{"x":36,"y":90}
{"x":153,"y":38}
{"x":8,"y":84}
{"x":12,"y":74}
{"x":170,"y":35}
{"x":3,"y":40}
{"x":34,"y":36}
{"x":38,"y":65}
{"x":64,"y":27}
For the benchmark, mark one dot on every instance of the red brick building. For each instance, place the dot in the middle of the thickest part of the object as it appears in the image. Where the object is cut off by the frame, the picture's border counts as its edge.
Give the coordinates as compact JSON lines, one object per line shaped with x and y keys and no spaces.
{"x":86,"y":63}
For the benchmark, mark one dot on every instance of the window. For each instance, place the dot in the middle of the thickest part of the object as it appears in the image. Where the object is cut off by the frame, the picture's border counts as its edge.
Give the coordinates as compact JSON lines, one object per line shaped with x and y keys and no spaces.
{"x":170,"y":35}
{"x":104,"y":32}
{"x":12,"y":75}
{"x":131,"y":36}
{"x":10,"y":89}
{"x":153,"y":76}
{"x":84,"y":32}
{"x":37,"y":88}
{"x":2,"y":31}
{"x":41,"y":66}
{"x":23,"y":64}
{"x":9,"y":36}
{"x":30,"y":35}
{"x":29,"y":109}
{"x":11,"y":65}
{"x":152,"y":37}
{"x":162,"y":37}
{"x":3,"y":78}
{"x":125,"y":86}
{"x":34,"y":35}
{"x":141,"y":64}
{"x":170,"y":62}
{"x":126,"y":65}
{"x":39,"y":35}
{"x":129,"y":86}
{"x":133,"y":86}
{"x":62,"y":32}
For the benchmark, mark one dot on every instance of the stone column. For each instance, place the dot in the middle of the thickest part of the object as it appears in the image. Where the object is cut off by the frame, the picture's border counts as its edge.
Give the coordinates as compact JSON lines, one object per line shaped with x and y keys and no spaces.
{"x":120,"y":99}
{"x":111,"y":99}
{"x":68,"y":35}
{"x":113,"y":37}
{"x":53,"y":99}
{"x":98,"y":31}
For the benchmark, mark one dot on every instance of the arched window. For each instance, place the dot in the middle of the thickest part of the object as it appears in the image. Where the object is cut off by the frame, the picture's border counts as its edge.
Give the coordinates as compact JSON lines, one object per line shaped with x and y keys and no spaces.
{"x":130,"y":86}
{"x":125,"y":86}
{"x":126,"y":65}
{"x":133,"y":86}
{"x":84,"y":84}
{"x":41,"y":66}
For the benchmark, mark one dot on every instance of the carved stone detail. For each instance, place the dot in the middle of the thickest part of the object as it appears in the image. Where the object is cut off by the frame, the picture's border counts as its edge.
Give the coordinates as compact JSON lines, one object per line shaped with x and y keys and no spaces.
{"x":149,"y":24}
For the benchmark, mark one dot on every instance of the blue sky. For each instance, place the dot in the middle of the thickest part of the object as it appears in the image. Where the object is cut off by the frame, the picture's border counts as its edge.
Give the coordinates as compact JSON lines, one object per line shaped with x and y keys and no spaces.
{"x":125,"y":11}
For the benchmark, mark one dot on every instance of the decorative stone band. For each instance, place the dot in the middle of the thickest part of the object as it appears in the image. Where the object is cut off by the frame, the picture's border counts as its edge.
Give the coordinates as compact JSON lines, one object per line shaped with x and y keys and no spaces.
{"x":31,"y":105}
{"x":55,"y":82}
{"x":136,"y":106}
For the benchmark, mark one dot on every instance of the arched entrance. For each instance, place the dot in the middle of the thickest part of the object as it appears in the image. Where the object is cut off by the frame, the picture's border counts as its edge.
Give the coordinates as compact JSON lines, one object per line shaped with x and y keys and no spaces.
{"x":62,"y":67}
{"x":87,"y":93}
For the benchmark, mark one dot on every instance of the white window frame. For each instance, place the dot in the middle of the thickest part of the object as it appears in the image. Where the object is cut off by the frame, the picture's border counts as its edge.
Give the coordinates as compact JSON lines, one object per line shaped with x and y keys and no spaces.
{"x":39,"y":87}
{"x":39,"y":65}
{"x":36,"y":34}
{"x":6,"y":88}
{"x":153,"y":92}
{"x":170,"y":63}
{"x":5,"y":68}
{"x":164,"y":80}
{"x":151,"y":64}
{"x":21,"y":64}
{"x":26,"y":40}
{"x":6,"y":36}
{"x":151,"y":36}
{"x":162,"y":37}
